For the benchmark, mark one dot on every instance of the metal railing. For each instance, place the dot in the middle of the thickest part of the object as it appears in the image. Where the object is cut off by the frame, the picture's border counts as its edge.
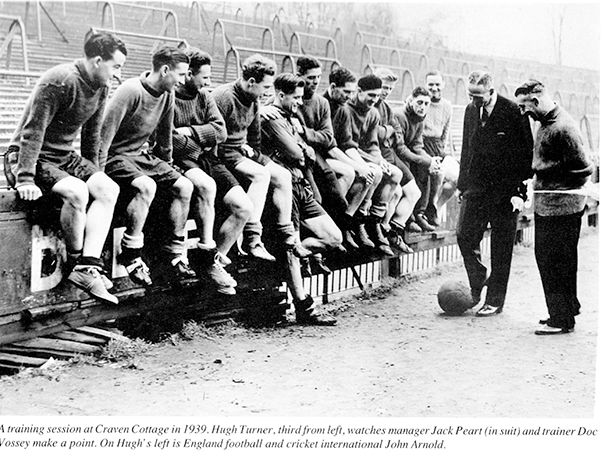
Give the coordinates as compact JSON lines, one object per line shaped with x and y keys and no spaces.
{"x":226,"y":42}
{"x":7,"y":45}
{"x":167,"y":14}
{"x":331,"y":46}
{"x":39,"y":8}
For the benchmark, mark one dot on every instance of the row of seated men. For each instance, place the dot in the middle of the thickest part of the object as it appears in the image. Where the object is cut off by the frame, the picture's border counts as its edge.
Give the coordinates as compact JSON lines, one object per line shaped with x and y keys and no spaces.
{"x":264,"y":161}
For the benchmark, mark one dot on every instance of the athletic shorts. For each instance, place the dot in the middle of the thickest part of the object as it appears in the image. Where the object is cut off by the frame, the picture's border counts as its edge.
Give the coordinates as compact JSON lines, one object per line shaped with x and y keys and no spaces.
{"x":231,"y":157}
{"x":123,"y":169}
{"x":214,"y":168}
{"x":305,"y":205}
{"x":392,"y":158}
{"x":55,"y":166}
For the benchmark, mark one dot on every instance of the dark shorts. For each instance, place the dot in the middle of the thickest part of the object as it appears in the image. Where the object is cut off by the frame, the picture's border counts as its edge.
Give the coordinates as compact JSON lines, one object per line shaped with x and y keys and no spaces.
{"x":55,"y":166}
{"x":214,"y":168}
{"x":392,"y":158}
{"x":123,"y":169}
{"x":305,"y":205}
{"x":231,"y":157}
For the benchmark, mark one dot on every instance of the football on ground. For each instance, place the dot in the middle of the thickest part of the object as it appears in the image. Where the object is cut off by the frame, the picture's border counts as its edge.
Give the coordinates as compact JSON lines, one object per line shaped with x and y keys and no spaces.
{"x":454,"y":297}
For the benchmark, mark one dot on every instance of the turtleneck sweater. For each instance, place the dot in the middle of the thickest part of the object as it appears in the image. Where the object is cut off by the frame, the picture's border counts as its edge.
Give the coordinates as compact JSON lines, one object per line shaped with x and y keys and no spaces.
{"x":560,"y":163}
{"x":356,"y":126}
{"x":240,"y":112}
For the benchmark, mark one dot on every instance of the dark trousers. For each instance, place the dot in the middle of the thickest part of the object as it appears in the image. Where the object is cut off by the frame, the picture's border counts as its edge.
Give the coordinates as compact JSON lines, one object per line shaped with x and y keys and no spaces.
{"x":422,"y":177}
{"x":476,"y":211}
{"x":556,"y":240}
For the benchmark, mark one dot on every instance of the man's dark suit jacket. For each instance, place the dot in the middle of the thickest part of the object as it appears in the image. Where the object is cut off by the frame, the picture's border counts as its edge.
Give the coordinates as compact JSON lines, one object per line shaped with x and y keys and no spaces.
{"x":497,"y":157}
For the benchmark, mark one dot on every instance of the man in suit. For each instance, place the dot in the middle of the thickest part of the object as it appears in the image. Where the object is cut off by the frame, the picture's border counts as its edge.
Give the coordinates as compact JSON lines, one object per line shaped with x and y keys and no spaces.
{"x":497,"y":149}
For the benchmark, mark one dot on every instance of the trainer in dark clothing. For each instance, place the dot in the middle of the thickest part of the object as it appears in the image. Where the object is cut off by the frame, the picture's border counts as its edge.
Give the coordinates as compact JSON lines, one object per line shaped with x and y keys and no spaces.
{"x":560,"y":165}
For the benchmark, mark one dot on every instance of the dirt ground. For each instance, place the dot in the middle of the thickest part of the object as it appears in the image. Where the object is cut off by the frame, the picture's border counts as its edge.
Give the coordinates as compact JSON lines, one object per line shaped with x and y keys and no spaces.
{"x":392,"y":354}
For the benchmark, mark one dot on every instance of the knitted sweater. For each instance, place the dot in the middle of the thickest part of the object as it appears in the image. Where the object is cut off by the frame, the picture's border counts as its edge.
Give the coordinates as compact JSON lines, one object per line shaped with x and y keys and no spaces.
{"x":198,"y":111}
{"x":334,"y":105}
{"x":134,"y":113}
{"x":315,"y":114}
{"x":356,"y":126}
{"x":63,"y":100}
{"x":240,"y":112}
{"x":410,"y":147}
{"x":559,"y":163}
{"x":282,"y":142}
{"x":436,"y":127}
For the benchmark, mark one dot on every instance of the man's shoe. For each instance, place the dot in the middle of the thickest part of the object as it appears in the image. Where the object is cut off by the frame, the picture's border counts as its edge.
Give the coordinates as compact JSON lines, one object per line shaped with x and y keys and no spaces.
{"x":488,"y":310}
{"x":376,"y":233}
{"x":300,"y":251}
{"x":348,"y":240}
{"x":88,"y":279}
{"x":217,"y":275}
{"x":396,"y":240}
{"x":314,"y":318}
{"x":423,"y":223}
{"x":306,"y":314}
{"x":413,"y":227}
{"x":434,"y":221}
{"x":319,"y":266}
{"x":257,"y":250}
{"x":550,"y":330}
{"x":137,"y":270}
{"x":181,"y":269}
{"x":362,"y":237}
{"x":386,"y":249}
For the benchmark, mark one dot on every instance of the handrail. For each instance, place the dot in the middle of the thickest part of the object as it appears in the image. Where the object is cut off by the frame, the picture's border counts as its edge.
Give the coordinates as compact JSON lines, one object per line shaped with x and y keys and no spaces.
{"x":168,"y":13}
{"x":38,"y":9}
{"x":220,"y":23}
{"x":199,"y":16}
{"x":7,"y":44}
{"x":330,"y":43}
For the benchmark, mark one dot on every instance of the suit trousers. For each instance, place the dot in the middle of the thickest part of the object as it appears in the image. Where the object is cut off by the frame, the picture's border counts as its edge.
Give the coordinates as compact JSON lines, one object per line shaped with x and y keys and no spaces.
{"x":556,"y":240}
{"x":477,"y":211}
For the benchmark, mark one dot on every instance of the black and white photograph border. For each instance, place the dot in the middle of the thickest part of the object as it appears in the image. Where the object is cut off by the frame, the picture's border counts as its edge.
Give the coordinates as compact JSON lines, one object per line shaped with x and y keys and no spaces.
{"x":396,"y":376}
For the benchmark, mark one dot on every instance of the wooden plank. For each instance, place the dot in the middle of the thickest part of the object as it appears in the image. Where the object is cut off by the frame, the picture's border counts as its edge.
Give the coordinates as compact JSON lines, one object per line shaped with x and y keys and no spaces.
{"x":102,"y":333}
{"x":59,"y":345}
{"x":74,"y":336}
{"x":26,"y":361}
{"x":39,"y":352}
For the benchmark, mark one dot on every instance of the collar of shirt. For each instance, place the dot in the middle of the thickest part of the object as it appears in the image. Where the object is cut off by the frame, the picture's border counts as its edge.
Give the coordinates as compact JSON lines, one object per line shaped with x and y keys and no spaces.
{"x":489,"y":107}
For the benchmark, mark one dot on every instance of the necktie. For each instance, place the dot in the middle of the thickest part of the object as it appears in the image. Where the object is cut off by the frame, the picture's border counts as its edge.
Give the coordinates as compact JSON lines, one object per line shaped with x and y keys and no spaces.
{"x":484,"y":117}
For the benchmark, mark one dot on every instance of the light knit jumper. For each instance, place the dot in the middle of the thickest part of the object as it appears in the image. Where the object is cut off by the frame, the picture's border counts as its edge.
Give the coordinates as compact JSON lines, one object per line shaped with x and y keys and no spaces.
{"x":63,"y":100}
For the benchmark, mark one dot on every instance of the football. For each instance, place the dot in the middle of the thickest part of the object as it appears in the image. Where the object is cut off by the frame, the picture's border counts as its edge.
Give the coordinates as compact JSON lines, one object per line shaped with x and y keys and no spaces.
{"x":454,"y":297}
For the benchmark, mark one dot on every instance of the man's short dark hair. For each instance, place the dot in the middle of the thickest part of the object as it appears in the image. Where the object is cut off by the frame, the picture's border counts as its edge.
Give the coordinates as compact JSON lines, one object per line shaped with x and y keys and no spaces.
{"x":170,"y":56}
{"x":531,"y":86}
{"x":369,"y":82}
{"x":104,"y":45}
{"x":198,"y":59}
{"x":305,"y":63}
{"x":433,"y":73}
{"x":340,"y":76}
{"x":420,"y":91}
{"x":288,"y":83}
{"x":257,"y":67}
